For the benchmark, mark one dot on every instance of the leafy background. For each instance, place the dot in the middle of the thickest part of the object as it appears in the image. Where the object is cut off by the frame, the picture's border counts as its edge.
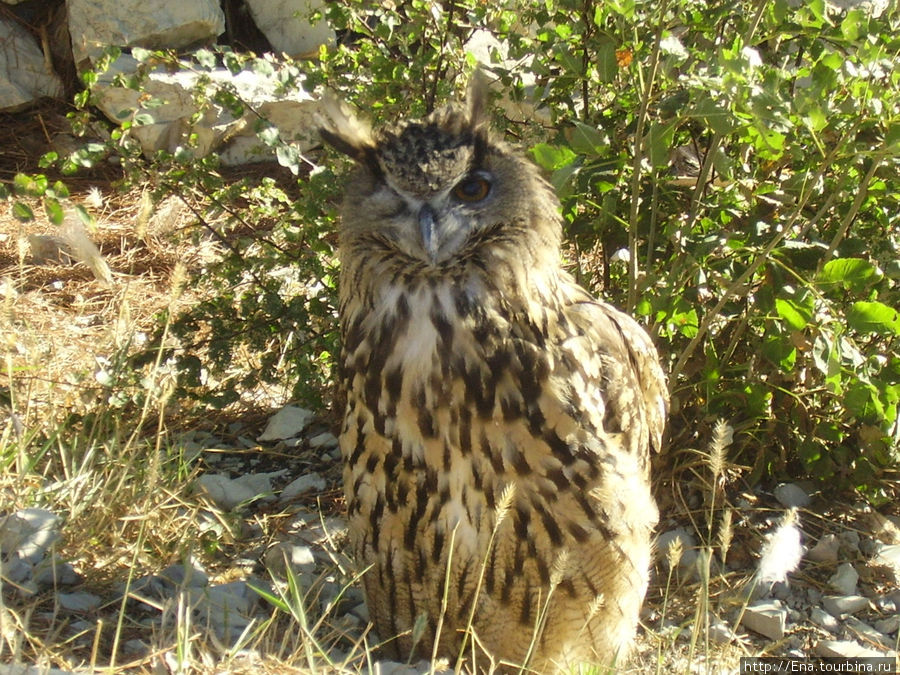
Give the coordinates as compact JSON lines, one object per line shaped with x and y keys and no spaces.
{"x":728,"y":172}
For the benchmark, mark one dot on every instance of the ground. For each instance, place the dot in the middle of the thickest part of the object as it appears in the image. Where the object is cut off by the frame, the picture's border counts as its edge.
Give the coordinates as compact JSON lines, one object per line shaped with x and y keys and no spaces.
{"x":168,"y":515}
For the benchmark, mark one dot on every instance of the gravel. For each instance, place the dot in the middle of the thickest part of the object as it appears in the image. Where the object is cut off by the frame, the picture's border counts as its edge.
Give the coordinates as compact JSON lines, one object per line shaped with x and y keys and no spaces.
{"x":850,"y":610}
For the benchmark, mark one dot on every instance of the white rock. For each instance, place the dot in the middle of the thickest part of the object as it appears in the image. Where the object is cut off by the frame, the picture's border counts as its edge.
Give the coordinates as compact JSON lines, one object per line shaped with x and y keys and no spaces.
{"x":791,"y":495}
{"x":168,"y":101}
{"x":29,"y":533}
{"x":889,"y":556}
{"x":79,"y":602}
{"x":824,"y":620}
{"x":311,"y":482}
{"x":839,"y":606}
{"x":825,"y":550}
{"x":227,"y":493}
{"x":287,"y":25}
{"x":96,"y":24}
{"x":766,"y":618}
{"x":844,"y":580}
{"x":844,"y":649}
{"x":25,"y":75}
{"x":288,"y":422}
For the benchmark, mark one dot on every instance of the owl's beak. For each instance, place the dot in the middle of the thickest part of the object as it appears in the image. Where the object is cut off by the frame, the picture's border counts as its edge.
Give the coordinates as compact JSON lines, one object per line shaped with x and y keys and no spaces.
{"x":427,"y":226}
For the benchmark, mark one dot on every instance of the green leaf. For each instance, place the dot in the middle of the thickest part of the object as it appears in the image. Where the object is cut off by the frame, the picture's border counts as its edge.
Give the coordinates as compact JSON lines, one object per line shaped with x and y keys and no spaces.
{"x":588,"y":140}
{"x":22,"y":212}
{"x":850,"y":26}
{"x":713,"y":115}
{"x":874,"y":317}
{"x":796,"y":315}
{"x":33,"y":186}
{"x":605,"y":60}
{"x":54,"y":210}
{"x":660,"y":139}
{"x":552,"y":157}
{"x":853,"y":274}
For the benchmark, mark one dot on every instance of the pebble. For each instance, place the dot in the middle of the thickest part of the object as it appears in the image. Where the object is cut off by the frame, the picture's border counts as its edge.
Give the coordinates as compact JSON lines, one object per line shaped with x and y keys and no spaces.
{"x":311,"y":482}
{"x":791,"y":495}
{"x":867,"y":633}
{"x":889,"y":625}
{"x":840,"y":606}
{"x":844,"y":580}
{"x":766,"y":618}
{"x":79,"y":601}
{"x":825,"y":550}
{"x":229,"y":493}
{"x":844,"y":649}
{"x":325,"y":440}
{"x":688,"y":548}
{"x":29,"y":533}
{"x":299,"y":558}
{"x":824,"y":620}
{"x":288,"y":422}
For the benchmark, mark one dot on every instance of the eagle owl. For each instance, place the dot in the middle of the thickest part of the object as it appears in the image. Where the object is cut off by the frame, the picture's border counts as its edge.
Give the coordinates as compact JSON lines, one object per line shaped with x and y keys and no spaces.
{"x":499,"y":419}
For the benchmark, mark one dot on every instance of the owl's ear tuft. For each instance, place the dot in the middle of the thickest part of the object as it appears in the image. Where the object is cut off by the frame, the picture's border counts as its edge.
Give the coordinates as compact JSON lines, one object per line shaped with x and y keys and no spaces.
{"x":477,"y":101}
{"x":343,"y":130}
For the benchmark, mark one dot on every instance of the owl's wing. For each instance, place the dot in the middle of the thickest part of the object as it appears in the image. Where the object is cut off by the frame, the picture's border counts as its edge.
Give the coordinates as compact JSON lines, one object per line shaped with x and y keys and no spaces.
{"x":631,"y":372}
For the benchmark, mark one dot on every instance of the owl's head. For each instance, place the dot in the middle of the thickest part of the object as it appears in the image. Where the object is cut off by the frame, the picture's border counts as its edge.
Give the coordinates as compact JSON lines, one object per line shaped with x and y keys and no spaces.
{"x":442,"y":187}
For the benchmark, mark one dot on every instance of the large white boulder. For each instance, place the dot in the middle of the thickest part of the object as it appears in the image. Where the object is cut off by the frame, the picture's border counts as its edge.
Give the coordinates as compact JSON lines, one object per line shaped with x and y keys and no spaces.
{"x":163,"y":109}
{"x":96,"y":24}
{"x":287,"y":25}
{"x":25,"y":75}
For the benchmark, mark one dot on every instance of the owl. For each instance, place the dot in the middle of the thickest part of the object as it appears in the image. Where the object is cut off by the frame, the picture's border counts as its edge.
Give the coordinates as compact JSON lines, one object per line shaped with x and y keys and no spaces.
{"x":499,"y":419}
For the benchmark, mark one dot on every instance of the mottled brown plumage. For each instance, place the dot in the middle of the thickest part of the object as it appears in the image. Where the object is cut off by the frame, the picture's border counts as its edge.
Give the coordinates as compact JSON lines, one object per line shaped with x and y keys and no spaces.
{"x":478,"y":375}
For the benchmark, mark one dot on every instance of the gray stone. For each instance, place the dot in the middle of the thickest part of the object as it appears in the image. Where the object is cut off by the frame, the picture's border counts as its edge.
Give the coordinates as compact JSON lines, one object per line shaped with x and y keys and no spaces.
{"x":311,"y":482}
{"x":79,"y":601}
{"x":185,"y":576}
{"x":688,"y":547}
{"x":300,"y":558}
{"x":25,"y":75}
{"x":791,"y":495}
{"x":844,"y":649}
{"x":29,"y":533}
{"x":825,"y":550}
{"x":767,"y":618}
{"x":721,"y":633}
{"x":96,"y":24}
{"x":889,"y":625}
{"x":840,"y":606}
{"x":869,"y":635}
{"x":844,"y":580}
{"x":824,"y":620}
{"x":54,"y":572}
{"x":287,"y":25}
{"x":324,"y":440}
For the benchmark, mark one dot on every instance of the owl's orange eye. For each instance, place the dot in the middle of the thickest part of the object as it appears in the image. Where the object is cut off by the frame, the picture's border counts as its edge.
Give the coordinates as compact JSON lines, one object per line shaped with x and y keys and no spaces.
{"x":472,"y":189}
